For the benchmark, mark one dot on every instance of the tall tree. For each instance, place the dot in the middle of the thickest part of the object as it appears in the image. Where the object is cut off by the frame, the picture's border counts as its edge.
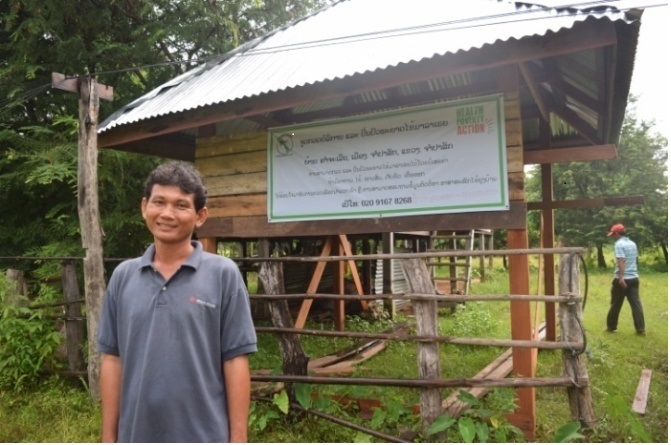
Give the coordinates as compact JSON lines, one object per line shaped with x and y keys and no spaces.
{"x":639,"y":169}
{"x":132,"y":45}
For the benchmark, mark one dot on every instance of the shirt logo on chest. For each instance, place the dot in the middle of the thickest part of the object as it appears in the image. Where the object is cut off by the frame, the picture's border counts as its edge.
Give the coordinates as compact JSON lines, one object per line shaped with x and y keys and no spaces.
{"x":201,"y":302}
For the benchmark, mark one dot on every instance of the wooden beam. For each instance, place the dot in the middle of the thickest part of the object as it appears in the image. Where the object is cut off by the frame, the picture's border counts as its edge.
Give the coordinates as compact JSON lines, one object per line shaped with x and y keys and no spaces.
{"x":590,"y":203}
{"x":178,"y":146}
{"x":302,"y":316}
{"x":641,"y":398}
{"x":352,"y":106}
{"x":574,"y":120}
{"x":583,"y":36}
{"x":536,"y":93}
{"x":259,"y":227}
{"x":71,"y":84}
{"x":579,"y":95}
{"x":570,"y":154}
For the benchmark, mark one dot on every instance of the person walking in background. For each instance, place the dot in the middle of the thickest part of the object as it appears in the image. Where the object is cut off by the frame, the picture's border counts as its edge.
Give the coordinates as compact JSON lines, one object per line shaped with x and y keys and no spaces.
{"x":175,"y":329}
{"x":625,"y":283}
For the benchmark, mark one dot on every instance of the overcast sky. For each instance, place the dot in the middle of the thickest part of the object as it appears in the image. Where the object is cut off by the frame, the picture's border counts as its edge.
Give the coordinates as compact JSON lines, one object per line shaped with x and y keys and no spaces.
{"x":651,"y":68}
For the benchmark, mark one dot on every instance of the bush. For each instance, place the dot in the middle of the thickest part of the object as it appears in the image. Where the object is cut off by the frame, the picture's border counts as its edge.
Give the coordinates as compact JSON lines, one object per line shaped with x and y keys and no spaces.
{"x":27,"y":339}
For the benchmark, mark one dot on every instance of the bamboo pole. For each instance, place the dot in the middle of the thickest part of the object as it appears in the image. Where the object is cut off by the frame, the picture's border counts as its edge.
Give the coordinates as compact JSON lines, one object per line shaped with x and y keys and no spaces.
{"x":428,"y":297}
{"x":511,"y":382}
{"x":428,"y":338}
{"x":405,"y":256}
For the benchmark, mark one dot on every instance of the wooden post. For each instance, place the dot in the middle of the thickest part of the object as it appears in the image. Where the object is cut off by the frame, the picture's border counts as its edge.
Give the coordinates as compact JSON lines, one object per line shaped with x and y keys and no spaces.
{"x":87,"y":206}
{"x":89,"y":220}
{"x":454,"y":284}
{"x":428,"y":353}
{"x":209,"y":244}
{"x":572,"y":330}
{"x":491,"y":247}
{"x":524,"y":363}
{"x":294,"y":360}
{"x":547,"y":241}
{"x":74,"y":326}
{"x":339,"y":288}
{"x":388,"y":273}
{"x":481,"y":245}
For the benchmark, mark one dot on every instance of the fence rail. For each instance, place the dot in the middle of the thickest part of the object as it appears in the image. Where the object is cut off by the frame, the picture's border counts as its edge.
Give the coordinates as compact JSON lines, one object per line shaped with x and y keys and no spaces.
{"x":295,"y":369}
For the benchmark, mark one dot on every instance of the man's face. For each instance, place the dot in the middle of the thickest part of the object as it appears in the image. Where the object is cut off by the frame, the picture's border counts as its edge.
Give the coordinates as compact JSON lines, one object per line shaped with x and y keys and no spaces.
{"x":171,"y":215}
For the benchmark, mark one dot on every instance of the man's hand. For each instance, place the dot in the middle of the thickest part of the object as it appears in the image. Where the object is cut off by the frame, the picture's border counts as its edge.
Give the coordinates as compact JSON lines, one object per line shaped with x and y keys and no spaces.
{"x":621,"y":263}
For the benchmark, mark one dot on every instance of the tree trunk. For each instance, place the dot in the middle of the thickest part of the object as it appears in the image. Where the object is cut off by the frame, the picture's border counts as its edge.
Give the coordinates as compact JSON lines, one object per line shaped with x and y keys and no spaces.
{"x":18,"y":278}
{"x":600,"y":259}
{"x":294,"y":359}
{"x":665,"y":252}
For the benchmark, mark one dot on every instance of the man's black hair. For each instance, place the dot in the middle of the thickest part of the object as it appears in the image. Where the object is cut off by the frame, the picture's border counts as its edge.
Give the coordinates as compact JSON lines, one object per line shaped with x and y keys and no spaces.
{"x":180,"y":174}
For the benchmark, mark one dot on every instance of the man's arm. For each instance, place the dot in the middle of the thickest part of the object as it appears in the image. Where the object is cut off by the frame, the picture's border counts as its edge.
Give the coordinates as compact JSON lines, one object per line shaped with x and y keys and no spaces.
{"x":238,"y":388}
{"x":110,"y":391}
{"x":621,"y":263}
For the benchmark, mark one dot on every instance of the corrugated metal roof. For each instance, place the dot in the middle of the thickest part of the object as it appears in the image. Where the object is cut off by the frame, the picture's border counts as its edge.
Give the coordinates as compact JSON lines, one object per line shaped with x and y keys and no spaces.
{"x":348,"y":38}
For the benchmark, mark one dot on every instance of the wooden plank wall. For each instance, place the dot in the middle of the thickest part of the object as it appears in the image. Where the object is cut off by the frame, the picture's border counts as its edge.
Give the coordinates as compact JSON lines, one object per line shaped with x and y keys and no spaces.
{"x":234,"y":168}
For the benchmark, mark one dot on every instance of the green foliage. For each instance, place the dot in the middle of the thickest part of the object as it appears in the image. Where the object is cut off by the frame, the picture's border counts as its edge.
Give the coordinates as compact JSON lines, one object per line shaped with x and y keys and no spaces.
{"x":27,"y":339}
{"x":639,"y":169}
{"x":304,"y":395}
{"x":567,"y":433}
{"x":619,"y":410}
{"x":260,"y":417}
{"x":281,"y":401}
{"x":442,"y":423}
{"x":471,"y":319}
{"x":134,"y":46}
{"x":483,"y":420}
{"x":51,"y":410}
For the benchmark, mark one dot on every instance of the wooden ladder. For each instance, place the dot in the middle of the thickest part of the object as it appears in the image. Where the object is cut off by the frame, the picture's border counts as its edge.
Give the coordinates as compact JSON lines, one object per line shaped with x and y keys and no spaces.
{"x":459,"y":271}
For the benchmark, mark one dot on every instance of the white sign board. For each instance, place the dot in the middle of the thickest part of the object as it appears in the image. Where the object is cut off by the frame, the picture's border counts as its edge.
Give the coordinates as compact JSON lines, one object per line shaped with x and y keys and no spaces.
{"x":443,"y":158}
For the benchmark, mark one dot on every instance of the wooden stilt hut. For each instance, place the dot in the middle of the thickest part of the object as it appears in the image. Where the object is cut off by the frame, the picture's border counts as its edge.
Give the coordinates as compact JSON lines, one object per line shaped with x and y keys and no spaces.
{"x":562,"y":77}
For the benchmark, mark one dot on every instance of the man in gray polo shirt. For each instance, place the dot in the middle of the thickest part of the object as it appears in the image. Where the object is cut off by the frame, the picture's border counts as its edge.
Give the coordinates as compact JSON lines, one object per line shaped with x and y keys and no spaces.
{"x":175,"y":329}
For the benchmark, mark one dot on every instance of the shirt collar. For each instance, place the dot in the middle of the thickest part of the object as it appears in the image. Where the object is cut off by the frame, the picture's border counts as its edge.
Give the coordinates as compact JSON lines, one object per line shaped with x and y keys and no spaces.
{"x":193,"y":261}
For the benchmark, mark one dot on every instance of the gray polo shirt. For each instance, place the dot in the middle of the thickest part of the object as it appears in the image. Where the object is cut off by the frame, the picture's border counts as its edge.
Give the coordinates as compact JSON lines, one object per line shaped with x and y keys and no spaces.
{"x":172,"y":337}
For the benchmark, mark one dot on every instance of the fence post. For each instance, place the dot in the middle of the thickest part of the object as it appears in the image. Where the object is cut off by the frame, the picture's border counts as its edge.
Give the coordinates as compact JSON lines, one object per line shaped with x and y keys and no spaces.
{"x":18,"y":278}
{"x":428,"y":354}
{"x":572,"y":330}
{"x":74,"y":325}
{"x":294,"y":360}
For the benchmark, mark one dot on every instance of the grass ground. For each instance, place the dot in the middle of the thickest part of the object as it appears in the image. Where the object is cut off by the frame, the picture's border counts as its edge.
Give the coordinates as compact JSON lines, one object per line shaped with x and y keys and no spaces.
{"x":58,"y":411}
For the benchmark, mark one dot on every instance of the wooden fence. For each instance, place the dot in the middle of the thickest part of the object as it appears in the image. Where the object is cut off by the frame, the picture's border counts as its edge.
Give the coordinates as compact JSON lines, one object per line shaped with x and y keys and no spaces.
{"x":424,"y":303}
